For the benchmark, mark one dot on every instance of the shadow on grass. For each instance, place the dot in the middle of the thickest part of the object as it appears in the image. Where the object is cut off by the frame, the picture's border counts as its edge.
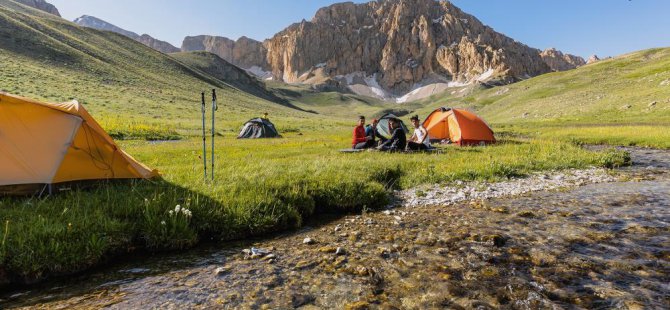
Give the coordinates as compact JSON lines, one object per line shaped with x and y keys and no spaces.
{"x":82,"y":228}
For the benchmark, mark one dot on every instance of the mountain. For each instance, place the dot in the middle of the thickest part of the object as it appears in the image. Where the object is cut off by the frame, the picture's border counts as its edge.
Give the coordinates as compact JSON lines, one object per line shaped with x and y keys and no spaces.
{"x":41,"y":5}
{"x":245,"y":52}
{"x":558,"y":61}
{"x":398,"y":46}
{"x":161,"y":46}
{"x":96,"y":23}
{"x":394,"y":50}
{"x":593,"y":59}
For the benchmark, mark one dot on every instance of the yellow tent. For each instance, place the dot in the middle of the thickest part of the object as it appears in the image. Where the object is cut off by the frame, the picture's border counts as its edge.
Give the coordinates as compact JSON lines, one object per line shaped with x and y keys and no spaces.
{"x":50,"y":143}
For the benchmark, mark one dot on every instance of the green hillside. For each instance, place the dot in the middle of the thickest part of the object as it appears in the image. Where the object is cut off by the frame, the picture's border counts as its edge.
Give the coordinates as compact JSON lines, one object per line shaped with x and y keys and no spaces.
{"x":49,"y":58}
{"x":218,"y":68}
{"x":633,"y":88}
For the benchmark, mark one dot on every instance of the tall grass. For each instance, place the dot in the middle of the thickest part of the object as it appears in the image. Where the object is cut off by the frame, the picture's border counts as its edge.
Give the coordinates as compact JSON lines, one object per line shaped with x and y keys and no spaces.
{"x":262,"y":187}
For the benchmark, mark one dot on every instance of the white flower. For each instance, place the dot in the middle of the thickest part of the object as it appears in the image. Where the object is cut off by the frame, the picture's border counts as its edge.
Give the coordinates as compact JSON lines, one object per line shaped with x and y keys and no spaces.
{"x":177,"y":209}
{"x":163,"y":223}
{"x":171,"y":212}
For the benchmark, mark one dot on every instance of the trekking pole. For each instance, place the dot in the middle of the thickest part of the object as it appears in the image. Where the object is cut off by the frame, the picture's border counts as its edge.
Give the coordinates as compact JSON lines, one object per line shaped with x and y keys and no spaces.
{"x":204,"y":138}
{"x":214,"y":108}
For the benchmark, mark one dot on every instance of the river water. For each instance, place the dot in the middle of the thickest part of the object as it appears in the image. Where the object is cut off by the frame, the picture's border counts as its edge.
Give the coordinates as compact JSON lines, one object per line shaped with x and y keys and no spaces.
{"x":598,"y":246}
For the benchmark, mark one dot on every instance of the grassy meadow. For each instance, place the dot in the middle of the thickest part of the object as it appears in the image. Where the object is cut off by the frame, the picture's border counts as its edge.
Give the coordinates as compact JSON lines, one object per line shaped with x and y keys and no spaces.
{"x":140,"y":95}
{"x":261,"y":187}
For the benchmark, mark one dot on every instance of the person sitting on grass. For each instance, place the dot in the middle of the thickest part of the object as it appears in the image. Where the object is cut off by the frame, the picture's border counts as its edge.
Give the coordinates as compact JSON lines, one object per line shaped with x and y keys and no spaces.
{"x":373,"y":134}
{"x":360,"y":140}
{"x":419,"y":140}
{"x":398,"y":140}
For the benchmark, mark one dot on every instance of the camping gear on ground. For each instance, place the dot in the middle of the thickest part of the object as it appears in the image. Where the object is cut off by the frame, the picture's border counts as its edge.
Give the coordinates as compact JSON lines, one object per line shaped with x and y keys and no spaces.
{"x":258,"y":128}
{"x":459,"y":126}
{"x":42,"y":144}
{"x":351,"y":151}
{"x":383,"y":126}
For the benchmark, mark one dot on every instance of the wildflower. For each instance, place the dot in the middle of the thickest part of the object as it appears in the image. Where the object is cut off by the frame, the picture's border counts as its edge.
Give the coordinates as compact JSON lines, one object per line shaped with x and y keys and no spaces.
{"x":171,"y":212}
{"x":177,"y":208}
{"x":163,"y":223}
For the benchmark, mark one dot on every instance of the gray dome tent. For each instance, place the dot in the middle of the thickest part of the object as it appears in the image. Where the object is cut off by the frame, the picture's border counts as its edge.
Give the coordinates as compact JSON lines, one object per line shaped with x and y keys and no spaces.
{"x":258,"y":128}
{"x":383,"y":125}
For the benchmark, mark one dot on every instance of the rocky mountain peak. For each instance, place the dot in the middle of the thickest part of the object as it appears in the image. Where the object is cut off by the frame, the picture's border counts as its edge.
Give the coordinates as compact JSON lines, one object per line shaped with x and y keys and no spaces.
{"x":41,"y":5}
{"x":558,"y":61}
{"x":396,"y":46}
{"x":593,"y":59}
{"x":161,"y":46}
{"x":245,"y":53}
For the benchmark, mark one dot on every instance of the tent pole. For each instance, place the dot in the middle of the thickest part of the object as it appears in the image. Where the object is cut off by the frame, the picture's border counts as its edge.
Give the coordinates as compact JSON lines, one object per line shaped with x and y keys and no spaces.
{"x":204,"y":138}
{"x":214,"y":108}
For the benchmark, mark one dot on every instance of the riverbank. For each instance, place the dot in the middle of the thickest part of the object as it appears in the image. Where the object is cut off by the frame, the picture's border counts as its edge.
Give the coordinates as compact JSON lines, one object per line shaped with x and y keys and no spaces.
{"x":263,"y":187}
{"x":591,"y":246}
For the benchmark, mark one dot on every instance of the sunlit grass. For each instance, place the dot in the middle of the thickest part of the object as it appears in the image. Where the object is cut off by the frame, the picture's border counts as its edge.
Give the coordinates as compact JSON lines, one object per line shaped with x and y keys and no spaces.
{"x":261,"y":186}
{"x":654,"y":136}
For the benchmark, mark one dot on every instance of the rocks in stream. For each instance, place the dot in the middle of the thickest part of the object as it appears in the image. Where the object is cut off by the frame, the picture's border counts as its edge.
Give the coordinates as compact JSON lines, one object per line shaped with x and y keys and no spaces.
{"x":462,"y":191}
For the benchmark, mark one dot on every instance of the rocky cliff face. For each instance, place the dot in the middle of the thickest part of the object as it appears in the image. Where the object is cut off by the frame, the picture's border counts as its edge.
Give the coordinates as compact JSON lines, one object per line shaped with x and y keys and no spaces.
{"x":593,"y":59}
{"x":245,"y":53}
{"x":41,"y":5}
{"x":399,"y":44}
{"x":96,"y":23}
{"x":558,"y":61}
{"x":161,"y":46}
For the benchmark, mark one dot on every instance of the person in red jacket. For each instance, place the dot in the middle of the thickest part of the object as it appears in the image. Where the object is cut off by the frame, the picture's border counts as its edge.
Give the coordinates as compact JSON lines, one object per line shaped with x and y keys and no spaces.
{"x":360,"y":140}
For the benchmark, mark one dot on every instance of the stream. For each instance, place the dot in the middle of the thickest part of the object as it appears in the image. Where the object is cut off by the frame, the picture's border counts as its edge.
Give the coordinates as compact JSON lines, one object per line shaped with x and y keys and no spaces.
{"x":596,"y":246}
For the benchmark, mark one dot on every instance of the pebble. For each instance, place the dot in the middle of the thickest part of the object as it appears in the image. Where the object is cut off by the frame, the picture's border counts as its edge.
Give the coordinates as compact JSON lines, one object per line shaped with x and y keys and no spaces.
{"x":338,"y":227}
{"x":221,"y":271}
{"x":340,"y":251}
{"x":652,"y":104}
{"x":308,"y":240}
{"x":269,"y":257}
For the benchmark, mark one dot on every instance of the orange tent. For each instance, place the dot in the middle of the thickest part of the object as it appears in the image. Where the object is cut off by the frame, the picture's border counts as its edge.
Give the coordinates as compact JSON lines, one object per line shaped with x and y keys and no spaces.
{"x":460,"y":126}
{"x":50,"y":143}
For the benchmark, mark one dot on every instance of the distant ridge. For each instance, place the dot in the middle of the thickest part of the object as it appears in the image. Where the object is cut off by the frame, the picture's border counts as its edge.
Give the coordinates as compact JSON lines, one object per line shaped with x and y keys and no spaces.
{"x":96,"y":23}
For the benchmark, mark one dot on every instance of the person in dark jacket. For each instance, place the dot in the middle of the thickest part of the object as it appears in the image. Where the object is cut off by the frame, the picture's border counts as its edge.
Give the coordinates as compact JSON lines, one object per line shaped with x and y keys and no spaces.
{"x":373,"y":134}
{"x":398,"y":140}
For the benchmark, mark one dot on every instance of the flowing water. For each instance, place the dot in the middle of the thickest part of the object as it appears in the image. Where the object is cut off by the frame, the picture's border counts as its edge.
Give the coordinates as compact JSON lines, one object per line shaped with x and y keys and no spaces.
{"x":598,"y":246}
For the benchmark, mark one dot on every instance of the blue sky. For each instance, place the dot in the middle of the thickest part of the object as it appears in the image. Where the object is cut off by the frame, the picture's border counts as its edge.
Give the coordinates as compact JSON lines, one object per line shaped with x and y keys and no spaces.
{"x":582,"y":27}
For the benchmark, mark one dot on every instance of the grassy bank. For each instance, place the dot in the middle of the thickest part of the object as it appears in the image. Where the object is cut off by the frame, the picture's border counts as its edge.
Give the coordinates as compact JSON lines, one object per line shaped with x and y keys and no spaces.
{"x":261,"y":187}
{"x":641,"y":135}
